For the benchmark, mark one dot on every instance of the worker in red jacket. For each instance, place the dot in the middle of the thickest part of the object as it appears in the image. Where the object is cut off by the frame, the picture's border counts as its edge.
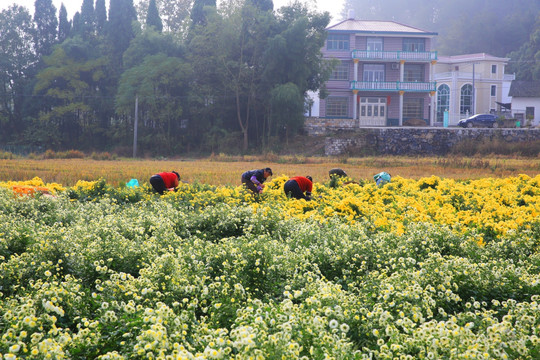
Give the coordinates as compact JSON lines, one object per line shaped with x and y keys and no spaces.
{"x":296,"y":186}
{"x":165,"y":181}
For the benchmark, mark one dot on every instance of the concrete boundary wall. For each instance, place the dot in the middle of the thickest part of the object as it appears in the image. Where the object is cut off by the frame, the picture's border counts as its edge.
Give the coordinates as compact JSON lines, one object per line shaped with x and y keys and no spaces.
{"x":415,"y":141}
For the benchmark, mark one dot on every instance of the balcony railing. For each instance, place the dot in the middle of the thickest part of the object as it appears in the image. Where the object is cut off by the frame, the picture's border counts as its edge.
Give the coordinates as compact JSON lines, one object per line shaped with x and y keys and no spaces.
{"x":394,"y":55}
{"x":406,"y":86}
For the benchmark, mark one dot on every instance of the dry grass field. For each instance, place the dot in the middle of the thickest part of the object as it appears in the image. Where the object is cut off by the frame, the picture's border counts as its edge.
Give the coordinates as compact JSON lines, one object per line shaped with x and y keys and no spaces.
{"x":225,"y":170}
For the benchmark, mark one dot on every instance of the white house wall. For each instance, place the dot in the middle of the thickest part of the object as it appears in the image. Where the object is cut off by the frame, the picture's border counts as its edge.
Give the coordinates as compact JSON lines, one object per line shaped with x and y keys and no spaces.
{"x":519,"y":106}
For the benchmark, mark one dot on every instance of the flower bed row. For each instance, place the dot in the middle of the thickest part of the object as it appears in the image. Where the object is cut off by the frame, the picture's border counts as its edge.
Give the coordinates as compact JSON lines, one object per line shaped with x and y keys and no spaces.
{"x":429,"y":268}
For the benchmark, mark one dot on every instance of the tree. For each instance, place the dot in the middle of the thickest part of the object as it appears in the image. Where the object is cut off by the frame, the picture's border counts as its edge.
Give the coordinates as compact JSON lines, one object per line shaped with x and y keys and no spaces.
{"x":175,"y":15}
{"x":88,"y":18}
{"x":294,"y":65}
{"x":17,"y":57}
{"x":152,"y":17}
{"x":64,"y":26}
{"x":161,"y":84}
{"x":46,"y":26}
{"x":263,"y":5}
{"x":101,"y":17}
{"x":77,"y":28}
{"x":197,"y":11}
{"x":120,"y":30}
{"x":70,"y":82}
{"x":150,"y":42}
{"x":526,"y":60}
{"x":287,"y":107}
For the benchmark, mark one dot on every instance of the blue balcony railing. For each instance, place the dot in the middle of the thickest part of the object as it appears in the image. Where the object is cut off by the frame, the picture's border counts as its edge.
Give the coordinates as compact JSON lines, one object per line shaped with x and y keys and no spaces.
{"x":394,"y":55}
{"x":406,"y":86}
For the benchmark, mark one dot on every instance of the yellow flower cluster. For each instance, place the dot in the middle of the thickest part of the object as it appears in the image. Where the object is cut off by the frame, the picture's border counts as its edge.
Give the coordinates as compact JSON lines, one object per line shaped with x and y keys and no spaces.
{"x":30,"y":187}
{"x":493,"y":206}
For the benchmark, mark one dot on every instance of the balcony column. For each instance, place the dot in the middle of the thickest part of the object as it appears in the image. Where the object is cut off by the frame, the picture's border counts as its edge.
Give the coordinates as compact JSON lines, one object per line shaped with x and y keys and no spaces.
{"x":355,"y":103}
{"x":355,"y":66}
{"x":433,"y":111}
{"x":401,"y":107}
{"x":401,"y":69}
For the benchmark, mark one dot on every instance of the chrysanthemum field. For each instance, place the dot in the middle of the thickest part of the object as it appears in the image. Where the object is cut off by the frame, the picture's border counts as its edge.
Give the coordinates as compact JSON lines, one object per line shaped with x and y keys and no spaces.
{"x":431,"y":268}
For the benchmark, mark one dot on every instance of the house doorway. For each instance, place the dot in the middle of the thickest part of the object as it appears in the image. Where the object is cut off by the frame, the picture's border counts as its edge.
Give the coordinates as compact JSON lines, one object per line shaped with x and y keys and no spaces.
{"x":372,"y":111}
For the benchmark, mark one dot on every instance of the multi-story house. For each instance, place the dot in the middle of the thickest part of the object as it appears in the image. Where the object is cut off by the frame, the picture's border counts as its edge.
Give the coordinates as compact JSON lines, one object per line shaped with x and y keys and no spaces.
{"x":471,"y":84}
{"x":384,"y":75}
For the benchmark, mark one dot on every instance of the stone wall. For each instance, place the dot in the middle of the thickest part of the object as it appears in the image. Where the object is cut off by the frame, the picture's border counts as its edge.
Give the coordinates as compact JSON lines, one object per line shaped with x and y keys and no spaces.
{"x":415,"y":141}
{"x":315,"y":126}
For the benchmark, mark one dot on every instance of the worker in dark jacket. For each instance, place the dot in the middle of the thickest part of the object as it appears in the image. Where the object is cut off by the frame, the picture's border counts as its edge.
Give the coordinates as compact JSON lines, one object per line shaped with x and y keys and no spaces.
{"x":337,"y":172}
{"x":165,"y":181}
{"x":254,"y":179}
{"x":296,"y":186}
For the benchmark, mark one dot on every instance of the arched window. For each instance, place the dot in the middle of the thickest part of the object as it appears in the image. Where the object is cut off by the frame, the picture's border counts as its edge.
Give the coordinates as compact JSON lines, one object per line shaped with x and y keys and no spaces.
{"x":443,"y":101}
{"x":465,"y":105}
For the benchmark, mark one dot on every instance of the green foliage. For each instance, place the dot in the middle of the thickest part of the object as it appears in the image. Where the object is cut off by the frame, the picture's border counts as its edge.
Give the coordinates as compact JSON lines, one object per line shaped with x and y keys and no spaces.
{"x":525,"y":59}
{"x":152,"y":17}
{"x":46,"y":26}
{"x":198,"y":16}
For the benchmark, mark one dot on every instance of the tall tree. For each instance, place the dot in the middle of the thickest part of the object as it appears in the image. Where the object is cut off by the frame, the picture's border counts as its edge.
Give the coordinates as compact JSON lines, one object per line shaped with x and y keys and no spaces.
{"x":101,"y":17}
{"x":88,"y":18}
{"x":46,"y":26}
{"x":197,"y":11}
{"x":77,"y":28}
{"x":64,"y":25}
{"x":17,"y":56}
{"x":120,"y":30}
{"x":152,"y":17}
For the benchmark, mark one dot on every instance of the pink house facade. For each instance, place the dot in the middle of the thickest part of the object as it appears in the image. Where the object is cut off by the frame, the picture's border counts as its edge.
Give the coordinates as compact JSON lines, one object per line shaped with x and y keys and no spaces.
{"x":384,"y":74}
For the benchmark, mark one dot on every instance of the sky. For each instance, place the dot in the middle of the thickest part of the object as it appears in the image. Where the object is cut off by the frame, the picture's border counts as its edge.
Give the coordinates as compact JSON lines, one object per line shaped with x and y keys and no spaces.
{"x":72,"y":6}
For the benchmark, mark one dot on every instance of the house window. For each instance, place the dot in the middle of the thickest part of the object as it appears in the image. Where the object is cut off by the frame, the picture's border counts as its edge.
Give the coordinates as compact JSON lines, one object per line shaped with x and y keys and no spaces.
{"x":465,"y":103}
{"x":373,"y":72}
{"x":413,"y":108}
{"x":443,"y":101}
{"x":529,"y":112}
{"x":413,"y":72}
{"x":340,"y":72}
{"x":337,"y":42}
{"x":493,"y":69}
{"x":337,"y":106}
{"x":374,"y":44}
{"x":414,"y":45}
{"x":493,"y":90}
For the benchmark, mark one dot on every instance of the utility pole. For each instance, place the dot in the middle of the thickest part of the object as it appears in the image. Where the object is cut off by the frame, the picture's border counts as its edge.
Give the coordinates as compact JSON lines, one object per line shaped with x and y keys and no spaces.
{"x":135,"y":126}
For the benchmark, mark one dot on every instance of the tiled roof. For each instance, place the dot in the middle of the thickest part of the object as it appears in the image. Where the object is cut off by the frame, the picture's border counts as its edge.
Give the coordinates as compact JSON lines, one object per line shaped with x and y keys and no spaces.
{"x":375,"y":26}
{"x":469,"y":57}
{"x":521,"y":88}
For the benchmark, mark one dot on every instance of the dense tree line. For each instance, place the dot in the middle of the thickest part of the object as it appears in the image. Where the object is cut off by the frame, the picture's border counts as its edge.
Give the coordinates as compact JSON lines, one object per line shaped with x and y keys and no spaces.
{"x":202,"y":78}
{"x":206,"y":78}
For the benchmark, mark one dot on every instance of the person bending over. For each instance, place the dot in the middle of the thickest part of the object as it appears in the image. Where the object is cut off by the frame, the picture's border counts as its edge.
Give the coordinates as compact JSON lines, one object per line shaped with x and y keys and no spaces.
{"x":254,"y":179}
{"x":165,"y":181}
{"x":296,"y":186}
